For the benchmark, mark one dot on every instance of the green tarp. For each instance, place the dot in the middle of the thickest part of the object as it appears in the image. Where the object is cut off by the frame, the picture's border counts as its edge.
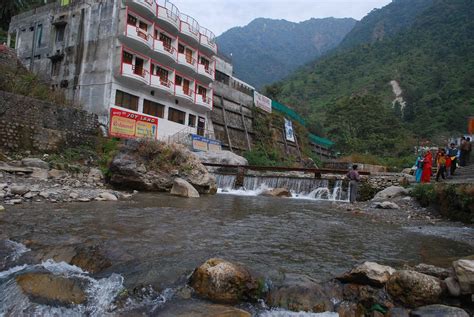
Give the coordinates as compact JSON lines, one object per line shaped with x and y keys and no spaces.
{"x":293,"y":115}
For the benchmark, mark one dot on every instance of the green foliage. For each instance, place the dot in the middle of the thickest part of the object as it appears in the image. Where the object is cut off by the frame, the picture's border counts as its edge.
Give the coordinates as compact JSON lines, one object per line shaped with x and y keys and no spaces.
{"x":267,"y":50}
{"x":436,"y":79}
{"x":452,"y":200}
{"x":366,"y":191}
{"x":260,"y":156}
{"x":107,"y":148}
{"x":424,"y":193}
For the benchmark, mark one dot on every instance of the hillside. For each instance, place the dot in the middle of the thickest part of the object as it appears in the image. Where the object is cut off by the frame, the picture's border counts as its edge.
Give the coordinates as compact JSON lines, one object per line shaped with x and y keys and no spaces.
{"x":432,"y":61}
{"x":267,"y":50}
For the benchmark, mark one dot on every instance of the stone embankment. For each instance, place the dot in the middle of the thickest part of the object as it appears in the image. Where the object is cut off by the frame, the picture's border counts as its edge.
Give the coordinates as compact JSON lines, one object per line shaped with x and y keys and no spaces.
{"x":369,"y":289}
{"x":33,"y":180}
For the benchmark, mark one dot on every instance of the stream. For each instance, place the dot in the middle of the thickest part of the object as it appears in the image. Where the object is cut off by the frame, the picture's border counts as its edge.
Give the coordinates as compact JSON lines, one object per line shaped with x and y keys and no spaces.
{"x":157,"y":240}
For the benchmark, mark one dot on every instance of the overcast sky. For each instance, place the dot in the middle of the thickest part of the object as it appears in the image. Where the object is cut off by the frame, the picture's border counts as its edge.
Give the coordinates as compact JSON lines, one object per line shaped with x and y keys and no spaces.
{"x":221,"y":15}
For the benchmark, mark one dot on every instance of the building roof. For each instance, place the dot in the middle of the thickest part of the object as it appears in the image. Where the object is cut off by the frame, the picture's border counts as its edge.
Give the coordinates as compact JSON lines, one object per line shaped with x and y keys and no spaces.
{"x":320,"y":141}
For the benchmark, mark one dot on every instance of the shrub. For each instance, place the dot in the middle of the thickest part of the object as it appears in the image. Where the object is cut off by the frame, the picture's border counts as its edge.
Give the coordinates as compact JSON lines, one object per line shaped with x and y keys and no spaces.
{"x":424,"y":193}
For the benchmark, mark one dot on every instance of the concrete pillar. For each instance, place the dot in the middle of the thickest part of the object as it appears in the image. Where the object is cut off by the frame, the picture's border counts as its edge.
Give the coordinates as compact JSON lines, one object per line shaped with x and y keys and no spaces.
{"x":9,"y":39}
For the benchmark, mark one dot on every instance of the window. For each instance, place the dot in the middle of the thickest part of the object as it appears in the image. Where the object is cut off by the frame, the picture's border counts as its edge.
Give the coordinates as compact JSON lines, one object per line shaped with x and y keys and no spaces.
{"x":153,"y":109}
{"x":178,"y":80}
{"x":202,"y":91}
{"x":166,"y":40}
{"x":131,"y":20}
{"x":55,"y":66}
{"x":39,"y":35}
{"x":127,"y":58}
{"x":223,"y":78}
{"x":192,"y":120}
{"x":143,"y":26}
{"x":181,"y":48}
{"x":205,"y":62}
{"x":122,"y":99}
{"x":176,"y":115}
{"x":162,"y":73}
{"x":60,"y":33}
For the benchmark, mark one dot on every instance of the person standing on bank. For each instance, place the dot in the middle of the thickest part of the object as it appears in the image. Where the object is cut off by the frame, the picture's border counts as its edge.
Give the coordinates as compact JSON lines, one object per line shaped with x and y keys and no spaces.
{"x":453,"y":155}
{"x":427,"y":167}
{"x":354,"y":179}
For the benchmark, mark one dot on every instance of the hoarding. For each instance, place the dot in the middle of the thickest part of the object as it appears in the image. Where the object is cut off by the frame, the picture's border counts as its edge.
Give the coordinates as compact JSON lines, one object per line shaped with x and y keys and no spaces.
{"x":203,"y":144}
{"x":129,"y":125}
{"x":470,"y":125}
{"x":290,"y":136}
{"x":262,"y":102}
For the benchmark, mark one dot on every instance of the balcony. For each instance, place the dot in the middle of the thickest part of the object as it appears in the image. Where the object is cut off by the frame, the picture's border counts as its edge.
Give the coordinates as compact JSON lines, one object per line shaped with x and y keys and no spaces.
{"x":206,"y":70}
{"x":164,"y":85}
{"x":189,"y":28}
{"x":207,"y":39}
{"x":139,"y":35}
{"x":144,"y":7}
{"x":165,"y":49}
{"x":204,"y":100}
{"x":187,"y":60}
{"x":168,"y":14}
{"x":185,"y":93}
{"x":135,"y":72}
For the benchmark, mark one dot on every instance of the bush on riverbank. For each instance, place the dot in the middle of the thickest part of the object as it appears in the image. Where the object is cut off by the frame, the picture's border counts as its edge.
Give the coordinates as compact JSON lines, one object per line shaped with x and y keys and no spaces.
{"x":454,"y":201}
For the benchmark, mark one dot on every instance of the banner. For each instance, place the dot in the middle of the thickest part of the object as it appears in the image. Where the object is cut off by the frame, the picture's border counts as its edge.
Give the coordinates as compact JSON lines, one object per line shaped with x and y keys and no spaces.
{"x":262,"y":102}
{"x":126,"y":124}
{"x":470,"y":125}
{"x":202,"y":144}
{"x":290,"y":136}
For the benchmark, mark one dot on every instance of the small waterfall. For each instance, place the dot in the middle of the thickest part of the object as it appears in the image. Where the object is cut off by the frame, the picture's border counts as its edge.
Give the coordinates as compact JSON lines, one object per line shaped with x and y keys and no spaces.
{"x":301,"y":187}
{"x":225,"y":182}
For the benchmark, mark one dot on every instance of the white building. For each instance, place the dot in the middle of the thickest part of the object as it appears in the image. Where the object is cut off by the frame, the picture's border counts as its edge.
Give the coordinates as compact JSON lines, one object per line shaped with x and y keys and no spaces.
{"x":142,"y":56}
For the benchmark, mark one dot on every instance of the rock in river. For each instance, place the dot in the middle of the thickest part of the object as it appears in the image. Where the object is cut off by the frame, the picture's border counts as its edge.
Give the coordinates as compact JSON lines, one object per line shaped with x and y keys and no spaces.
{"x":368,"y":273}
{"x":439,"y":311}
{"x":184,"y":189}
{"x":414,"y":289}
{"x":465,"y":274}
{"x":19,"y":190}
{"x":222,"y":281}
{"x":300,"y":293}
{"x":34,"y":162}
{"x":200,"y":309}
{"x":277,"y":192}
{"x":390,"y":192}
{"x":49,"y":289}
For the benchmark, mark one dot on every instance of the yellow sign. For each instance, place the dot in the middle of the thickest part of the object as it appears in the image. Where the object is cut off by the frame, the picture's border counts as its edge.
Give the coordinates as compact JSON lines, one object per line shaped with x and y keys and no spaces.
{"x":145,"y":129}
{"x":123,"y":127}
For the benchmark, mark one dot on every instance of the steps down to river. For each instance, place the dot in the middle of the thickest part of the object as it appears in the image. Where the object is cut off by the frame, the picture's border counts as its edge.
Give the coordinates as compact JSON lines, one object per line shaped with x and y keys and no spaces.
{"x":463,"y":175}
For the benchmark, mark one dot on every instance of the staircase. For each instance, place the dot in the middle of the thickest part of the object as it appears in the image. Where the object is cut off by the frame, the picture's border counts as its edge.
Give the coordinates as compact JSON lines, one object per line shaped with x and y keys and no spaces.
{"x":463,"y":175}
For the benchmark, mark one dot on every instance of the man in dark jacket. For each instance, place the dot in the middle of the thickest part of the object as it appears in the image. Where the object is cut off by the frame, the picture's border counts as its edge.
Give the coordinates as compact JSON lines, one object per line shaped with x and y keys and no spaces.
{"x":354,"y":179}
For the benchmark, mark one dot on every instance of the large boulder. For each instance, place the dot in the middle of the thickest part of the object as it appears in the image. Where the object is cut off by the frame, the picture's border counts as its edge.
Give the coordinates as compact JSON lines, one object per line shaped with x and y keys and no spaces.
{"x":49,"y":289}
{"x":366,"y":295}
{"x":464,"y":270}
{"x":414,"y":289}
{"x":432,"y":270}
{"x":184,"y":189}
{"x":153,"y":166}
{"x":277,"y":192}
{"x":386,"y":205}
{"x":368,"y":273}
{"x":300,"y":293}
{"x":221,"y":157}
{"x":439,"y":311}
{"x":223,"y":281}
{"x":19,"y":190}
{"x":390,"y":192}
{"x":34,"y":162}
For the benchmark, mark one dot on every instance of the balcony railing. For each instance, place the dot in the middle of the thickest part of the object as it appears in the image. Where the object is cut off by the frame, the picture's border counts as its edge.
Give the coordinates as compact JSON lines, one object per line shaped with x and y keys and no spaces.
{"x":139,"y":34}
{"x":203,"y":100}
{"x":168,"y":12}
{"x":206,"y":70}
{"x":147,"y":4}
{"x":132,"y":71}
{"x":207,"y":39}
{"x":189,"y":26}
{"x":161,"y":47}
{"x":185,"y":93}
{"x":187,"y":60}
{"x":161,"y":83}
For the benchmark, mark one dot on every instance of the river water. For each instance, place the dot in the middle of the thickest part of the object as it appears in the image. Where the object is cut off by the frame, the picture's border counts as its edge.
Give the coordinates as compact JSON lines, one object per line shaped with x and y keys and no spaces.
{"x":157,"y":239}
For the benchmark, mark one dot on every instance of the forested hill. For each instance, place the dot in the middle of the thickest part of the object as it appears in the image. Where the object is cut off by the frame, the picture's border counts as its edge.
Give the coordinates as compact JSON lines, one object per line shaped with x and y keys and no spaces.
{"x":383,"y":23}
{"x":267,"y":50}
{"x":347,"y":95}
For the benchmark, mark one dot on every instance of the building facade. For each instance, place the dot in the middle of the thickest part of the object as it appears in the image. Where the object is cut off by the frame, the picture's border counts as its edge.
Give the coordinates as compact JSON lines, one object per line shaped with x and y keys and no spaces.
{"x":142,"y":56}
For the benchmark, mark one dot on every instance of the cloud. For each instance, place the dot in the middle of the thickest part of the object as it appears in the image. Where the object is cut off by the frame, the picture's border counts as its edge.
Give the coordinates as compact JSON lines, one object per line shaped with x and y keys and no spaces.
{"x":221,"y":15}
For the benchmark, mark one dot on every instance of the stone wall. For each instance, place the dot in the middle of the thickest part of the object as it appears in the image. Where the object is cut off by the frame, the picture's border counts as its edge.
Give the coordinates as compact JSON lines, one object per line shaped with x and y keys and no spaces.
{"x":380,"y":181}
{"x":28,"y":124}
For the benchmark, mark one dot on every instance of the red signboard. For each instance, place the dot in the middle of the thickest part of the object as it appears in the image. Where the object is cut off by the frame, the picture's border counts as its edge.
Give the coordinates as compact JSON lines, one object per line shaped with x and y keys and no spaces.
{"x":127,"y":124}
{"x":470,"y":126}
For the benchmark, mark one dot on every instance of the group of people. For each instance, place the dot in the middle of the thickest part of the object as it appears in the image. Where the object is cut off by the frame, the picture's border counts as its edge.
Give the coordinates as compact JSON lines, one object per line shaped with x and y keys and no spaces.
{"x":447,"y":161}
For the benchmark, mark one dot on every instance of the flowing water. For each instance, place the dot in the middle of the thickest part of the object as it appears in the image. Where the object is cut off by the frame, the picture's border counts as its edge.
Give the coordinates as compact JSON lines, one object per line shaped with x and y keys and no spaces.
{"x":157,"y":240}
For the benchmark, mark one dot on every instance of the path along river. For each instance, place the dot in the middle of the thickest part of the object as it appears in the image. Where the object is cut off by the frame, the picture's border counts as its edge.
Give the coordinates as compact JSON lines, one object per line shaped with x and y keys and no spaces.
{"x":156,"y":239}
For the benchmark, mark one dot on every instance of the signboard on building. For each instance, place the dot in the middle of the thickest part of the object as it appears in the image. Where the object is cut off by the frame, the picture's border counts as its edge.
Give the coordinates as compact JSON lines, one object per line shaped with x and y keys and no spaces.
{"x":202,"y":144}
{"x":127,"y":124}
{"x":470,"y":125}
{"x":289,"y":134}
{"x":262,"y":102}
